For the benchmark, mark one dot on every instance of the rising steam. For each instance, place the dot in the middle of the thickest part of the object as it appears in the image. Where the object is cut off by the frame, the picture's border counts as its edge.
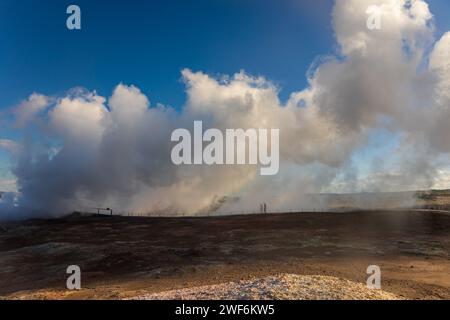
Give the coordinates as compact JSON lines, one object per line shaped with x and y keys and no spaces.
{"x":94,"y":151}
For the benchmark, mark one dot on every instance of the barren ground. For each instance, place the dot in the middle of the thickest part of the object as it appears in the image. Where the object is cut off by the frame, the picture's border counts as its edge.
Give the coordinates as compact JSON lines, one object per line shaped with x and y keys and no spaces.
{"x":124,"y":257}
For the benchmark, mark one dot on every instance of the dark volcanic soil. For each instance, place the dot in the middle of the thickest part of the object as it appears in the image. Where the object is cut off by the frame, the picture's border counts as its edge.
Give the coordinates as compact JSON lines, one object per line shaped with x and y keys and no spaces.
{"x":123,"y":257}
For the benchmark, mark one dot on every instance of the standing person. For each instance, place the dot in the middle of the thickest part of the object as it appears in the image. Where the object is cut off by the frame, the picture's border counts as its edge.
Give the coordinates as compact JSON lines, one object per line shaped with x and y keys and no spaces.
{"x":265,"y":207}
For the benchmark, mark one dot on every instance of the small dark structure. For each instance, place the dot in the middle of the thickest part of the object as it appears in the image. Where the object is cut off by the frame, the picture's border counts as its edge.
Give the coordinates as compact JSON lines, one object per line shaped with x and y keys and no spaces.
{"x":99,"y":210}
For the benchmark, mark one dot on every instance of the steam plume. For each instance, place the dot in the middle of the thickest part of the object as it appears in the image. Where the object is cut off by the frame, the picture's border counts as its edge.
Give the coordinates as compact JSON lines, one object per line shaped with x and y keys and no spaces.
{"x":115,"y":152}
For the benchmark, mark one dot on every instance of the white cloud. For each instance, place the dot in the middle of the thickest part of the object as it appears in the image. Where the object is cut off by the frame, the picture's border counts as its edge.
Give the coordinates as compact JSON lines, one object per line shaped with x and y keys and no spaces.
{"x":9,"y":145}
{"x":116,"y":152}
{"x":79,"y":119}
{"x":8,"y":185}
{"x":28,"y":109}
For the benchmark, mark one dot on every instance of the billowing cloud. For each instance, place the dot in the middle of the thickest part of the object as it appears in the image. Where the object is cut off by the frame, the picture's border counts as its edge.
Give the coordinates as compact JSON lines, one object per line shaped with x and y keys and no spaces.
{"x":116,"y":152}
{"x":28,"y":109}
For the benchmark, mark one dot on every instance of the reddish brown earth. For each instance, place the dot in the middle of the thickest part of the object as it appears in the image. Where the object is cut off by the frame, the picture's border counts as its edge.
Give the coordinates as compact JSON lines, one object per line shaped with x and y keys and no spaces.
{"x":124,"y":257}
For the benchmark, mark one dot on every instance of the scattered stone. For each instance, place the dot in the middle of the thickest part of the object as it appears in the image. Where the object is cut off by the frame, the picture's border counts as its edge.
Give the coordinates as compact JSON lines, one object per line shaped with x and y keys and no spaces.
{"x":279,"y":287}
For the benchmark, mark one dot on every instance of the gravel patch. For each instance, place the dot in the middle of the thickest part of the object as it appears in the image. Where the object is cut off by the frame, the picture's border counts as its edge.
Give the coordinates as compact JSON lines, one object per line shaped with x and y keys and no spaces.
{"x":278,"y":287}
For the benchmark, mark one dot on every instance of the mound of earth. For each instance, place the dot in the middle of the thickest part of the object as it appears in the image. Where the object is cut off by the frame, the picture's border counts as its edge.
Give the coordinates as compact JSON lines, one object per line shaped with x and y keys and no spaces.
{"x":279,"y":287}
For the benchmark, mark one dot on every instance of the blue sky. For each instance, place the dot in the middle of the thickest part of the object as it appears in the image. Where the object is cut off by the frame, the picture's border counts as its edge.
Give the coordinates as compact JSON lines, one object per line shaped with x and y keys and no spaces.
{"x":147,"y":43}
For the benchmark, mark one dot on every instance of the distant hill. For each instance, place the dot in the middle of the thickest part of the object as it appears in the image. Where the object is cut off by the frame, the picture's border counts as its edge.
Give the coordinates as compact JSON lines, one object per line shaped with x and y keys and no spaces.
{"x":422,"y":199}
